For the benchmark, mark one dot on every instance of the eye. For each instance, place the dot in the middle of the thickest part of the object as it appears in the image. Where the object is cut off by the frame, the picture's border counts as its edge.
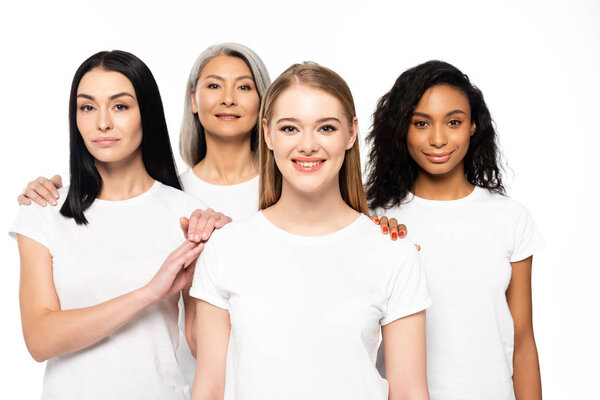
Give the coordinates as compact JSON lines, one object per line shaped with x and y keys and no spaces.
{"x":212,"y":86}
{"x":121,"y":107}
{"x":288,"y":129}
{"x":420,"y":124}
{"x":246,"y":87}
{"x":454,"y":123}
{"x":328,"y":128}
{"x":86,"y":108}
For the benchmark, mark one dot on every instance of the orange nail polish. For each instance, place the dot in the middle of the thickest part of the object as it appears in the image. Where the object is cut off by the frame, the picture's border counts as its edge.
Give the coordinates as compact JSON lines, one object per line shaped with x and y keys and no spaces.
{"x":385,"y":229}
{"x":376,"y":220}
{"x":400,"y":233}
{"x":394,"y":235}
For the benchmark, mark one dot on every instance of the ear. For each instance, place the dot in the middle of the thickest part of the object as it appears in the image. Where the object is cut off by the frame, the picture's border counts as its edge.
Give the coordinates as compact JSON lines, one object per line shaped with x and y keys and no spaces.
{"x":267,"y":133}
{"x":473,"y":128}
{"x":353,"y":134}
{"x":194,"y":104}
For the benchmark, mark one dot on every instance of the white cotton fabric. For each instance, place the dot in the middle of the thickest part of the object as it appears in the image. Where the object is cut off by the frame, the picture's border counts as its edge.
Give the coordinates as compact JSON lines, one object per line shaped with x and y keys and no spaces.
{"x":306,"y":311}
{"x":120,"y":250}
{"x":467,"y":246}
{"x":236,"y":201}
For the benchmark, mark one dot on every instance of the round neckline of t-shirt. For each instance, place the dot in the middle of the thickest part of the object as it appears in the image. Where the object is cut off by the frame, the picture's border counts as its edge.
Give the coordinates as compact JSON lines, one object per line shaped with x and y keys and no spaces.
{"x":477,"y":191}
{"x":359,"y":221}
{"x":222,"y":187}
{"x":133,"y":200}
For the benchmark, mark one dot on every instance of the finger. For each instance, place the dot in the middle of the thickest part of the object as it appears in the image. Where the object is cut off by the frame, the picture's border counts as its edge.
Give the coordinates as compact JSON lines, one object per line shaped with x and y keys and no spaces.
{"x":32,"y":194}
{"x":183,"y":248}
{"x":393,"y":223}
{"x":374,"y":218}
{"x":208,"y":229}
{"x":418,"y":247}
{"x":402,"y":231}
{"x":57,"y":180}
{"x":40,"y":188}
{"x":193,"y":233}
{"x":190,"y":254}
{"x":49,"y":185}
{"x":222,"y":221}
{"x":23,"y":200}
{"x":383,"y":223}
{"x":183,"y":224}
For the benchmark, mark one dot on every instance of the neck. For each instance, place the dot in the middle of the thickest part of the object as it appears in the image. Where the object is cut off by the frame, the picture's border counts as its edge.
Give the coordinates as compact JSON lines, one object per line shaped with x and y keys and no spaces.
{"x":451,"y":186}
{"x":228,"y":161}
{"x":310,"y":214}
{"x":124,"y":179}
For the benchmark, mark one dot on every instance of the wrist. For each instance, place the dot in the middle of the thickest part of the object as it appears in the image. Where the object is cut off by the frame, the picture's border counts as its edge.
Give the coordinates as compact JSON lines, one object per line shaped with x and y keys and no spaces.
{"x":147,"y":296}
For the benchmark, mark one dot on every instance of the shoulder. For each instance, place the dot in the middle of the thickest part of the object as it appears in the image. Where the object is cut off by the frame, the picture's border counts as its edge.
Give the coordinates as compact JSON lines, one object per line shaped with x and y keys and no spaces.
{"x":501,"y":203}
{"x":381,"y":245}
{"x":180,"y":198}
{"x":237,"y":232}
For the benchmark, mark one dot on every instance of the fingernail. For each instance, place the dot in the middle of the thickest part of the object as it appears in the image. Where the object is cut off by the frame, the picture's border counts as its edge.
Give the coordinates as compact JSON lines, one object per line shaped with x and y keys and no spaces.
{"x":376,"y":220}
{"x":385,"y":229}
{"x":400,"y":233}
{"x":394,"y":236}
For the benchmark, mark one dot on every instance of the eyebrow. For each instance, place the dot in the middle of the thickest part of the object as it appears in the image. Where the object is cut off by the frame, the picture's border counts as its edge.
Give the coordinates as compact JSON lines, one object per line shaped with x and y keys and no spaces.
{"x":321,"y":120}
{"x":424,"y":115}
{"x":239,"y":78}
{"x":114,"y":96}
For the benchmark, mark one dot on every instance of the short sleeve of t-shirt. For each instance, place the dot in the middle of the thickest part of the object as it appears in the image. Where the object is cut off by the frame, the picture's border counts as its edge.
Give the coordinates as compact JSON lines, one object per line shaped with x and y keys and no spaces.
{"x":205,"y":283}
{"x":526,"y":236}
{"x":32,"y":221}
{"x":407,"y":290}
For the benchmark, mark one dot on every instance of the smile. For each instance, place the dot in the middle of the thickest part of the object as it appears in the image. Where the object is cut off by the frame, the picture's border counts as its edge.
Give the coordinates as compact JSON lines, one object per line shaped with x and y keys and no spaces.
{"x":307,"y":165}
{"x":438,"y":158}
{"x":227,"y":117}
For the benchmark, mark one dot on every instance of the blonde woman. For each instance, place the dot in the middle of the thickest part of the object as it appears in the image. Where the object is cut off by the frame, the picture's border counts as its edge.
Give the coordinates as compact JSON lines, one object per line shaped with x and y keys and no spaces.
{"x":292,"y":301}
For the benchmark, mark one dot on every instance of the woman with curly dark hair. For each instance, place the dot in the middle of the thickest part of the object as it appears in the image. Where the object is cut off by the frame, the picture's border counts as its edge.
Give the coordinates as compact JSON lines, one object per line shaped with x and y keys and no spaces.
{"x":434,"y":164}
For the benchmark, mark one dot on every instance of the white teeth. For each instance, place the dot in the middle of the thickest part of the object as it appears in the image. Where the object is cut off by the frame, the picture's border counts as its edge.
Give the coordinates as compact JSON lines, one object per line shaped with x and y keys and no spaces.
{"x":308,"y":164}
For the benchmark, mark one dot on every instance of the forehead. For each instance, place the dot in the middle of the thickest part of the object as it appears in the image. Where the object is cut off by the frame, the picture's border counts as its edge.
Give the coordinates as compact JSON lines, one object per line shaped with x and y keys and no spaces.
{"x":301,"y":101}
{"x":98,"y":82}
{"x":441,"y":98}
{"x":226,"y":66}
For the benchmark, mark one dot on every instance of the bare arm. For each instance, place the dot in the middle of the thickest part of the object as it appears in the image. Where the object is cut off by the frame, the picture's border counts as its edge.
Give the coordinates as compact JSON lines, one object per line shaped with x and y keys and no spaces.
{"x":405,"y":358}
{"x":213,"y":328}
{"x":526,"y":368}
{"x":50,"y":331}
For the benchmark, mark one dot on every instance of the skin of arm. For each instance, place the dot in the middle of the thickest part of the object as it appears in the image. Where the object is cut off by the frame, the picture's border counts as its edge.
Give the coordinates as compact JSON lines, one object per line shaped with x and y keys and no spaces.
{"x":50,"y":331}
{"x":213,"y":328}
{"x":526,"y":368}
{"x":405,"y":358}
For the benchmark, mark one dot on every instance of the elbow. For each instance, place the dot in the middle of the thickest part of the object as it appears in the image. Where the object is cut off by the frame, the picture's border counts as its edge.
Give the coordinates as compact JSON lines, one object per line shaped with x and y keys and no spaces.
{"x":37,"y":346}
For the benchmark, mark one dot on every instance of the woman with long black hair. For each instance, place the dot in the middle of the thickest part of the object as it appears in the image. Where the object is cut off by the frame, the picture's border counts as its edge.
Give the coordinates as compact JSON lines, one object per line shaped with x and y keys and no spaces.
{"x":101,"y":274}
{"x":434,"y":164}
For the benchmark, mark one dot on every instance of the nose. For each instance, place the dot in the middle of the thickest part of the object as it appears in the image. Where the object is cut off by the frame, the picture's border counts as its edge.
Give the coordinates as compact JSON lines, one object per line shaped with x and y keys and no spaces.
{"x":228,"y":96}
{"x":437,"y":137}
{"x":308,"y":143}
{"x":105,"y":121}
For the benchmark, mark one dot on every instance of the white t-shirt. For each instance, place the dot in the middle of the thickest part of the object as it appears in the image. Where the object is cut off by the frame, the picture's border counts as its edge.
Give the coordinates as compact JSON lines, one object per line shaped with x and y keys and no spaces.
{"x":120,"y":250}
{"x":467,"y":246}
{"x":306,"y":311}
{"x":236,"y":201}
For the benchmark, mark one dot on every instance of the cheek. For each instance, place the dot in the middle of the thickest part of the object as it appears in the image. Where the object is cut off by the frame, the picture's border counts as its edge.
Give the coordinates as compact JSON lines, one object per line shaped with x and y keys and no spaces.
{"x":85,"y":125}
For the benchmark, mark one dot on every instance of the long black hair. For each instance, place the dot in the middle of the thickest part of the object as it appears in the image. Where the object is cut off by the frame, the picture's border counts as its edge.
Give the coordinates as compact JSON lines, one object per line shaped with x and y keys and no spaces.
{"x":157,"y":155}
{"x":392,"y":171}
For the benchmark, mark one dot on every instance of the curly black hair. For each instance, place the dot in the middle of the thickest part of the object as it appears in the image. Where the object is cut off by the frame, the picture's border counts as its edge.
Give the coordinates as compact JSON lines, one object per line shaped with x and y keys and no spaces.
{"x":392,"y":172}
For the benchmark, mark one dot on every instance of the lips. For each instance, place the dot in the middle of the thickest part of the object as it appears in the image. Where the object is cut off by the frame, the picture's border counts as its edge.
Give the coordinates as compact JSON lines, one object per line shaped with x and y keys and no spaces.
{"x":307,"y":164}
{"x":227,"y":116}
{"x":438,"y":158}
{"x":105,"y":141}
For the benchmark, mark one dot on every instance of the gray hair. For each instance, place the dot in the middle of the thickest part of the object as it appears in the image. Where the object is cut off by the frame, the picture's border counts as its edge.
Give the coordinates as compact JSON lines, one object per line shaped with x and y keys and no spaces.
{"x":192,"y":143}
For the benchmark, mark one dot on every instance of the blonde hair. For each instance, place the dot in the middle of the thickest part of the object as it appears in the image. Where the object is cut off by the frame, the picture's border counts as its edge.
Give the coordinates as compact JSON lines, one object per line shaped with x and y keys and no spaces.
{"x":192,"y":144}
{"x":321,"y":78}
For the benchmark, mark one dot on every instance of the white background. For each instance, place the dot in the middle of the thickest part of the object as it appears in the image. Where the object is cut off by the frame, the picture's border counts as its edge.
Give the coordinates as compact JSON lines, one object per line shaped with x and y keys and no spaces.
{"x":537,"y":62}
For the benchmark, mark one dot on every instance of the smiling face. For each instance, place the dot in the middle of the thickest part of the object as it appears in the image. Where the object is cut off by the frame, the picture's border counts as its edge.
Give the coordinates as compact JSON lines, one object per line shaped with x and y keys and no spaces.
{"x":225,"y":98}
{"x":309,"y":133}
{"x":108,"y":116}
{"x":440,"y":131}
